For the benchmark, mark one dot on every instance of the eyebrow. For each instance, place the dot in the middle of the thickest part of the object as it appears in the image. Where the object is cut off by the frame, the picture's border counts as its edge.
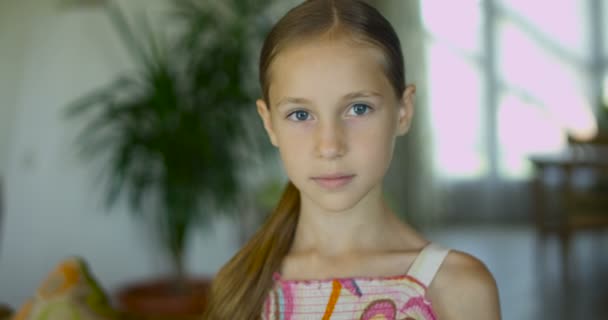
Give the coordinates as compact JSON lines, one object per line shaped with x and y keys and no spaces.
{"x":361,"y":94}
{"x":349,"y":96}
{"x":291,"y":100}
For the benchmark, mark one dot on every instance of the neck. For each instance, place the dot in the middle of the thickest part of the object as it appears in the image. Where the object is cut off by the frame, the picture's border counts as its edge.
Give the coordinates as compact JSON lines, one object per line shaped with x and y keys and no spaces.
{"x":365,"y":227}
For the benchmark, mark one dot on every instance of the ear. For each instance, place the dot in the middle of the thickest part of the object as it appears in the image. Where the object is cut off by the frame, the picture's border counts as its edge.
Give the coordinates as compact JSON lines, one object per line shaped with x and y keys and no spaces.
{"x":264,"y":113}
{"x":406,"y":110}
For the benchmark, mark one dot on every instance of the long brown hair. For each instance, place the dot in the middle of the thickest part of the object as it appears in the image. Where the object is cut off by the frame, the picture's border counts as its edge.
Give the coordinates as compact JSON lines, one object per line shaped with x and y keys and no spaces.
{"x":241,"y":286}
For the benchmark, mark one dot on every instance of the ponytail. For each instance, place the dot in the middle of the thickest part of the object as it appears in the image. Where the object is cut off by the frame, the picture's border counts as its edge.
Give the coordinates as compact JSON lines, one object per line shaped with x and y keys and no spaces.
{"x":241,"y":286}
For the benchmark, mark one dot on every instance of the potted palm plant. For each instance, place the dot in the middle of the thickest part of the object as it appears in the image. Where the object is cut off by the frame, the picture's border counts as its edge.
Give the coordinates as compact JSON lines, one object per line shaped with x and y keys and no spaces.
{"x":171,"y":131}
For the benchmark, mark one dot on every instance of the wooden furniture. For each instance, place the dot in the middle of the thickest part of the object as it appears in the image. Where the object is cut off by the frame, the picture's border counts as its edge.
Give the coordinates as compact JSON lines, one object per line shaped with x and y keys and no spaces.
{"x":570,"y":195}
{"x":5,"y":312}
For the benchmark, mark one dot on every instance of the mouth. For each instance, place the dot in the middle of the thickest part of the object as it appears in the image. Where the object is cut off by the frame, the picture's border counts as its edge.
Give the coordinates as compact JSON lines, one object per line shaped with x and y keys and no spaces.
{"x":333,"y":181}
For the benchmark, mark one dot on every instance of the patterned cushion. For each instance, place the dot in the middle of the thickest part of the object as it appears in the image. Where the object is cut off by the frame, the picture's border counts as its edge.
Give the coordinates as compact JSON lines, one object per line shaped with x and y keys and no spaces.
{"x":69,"y":293}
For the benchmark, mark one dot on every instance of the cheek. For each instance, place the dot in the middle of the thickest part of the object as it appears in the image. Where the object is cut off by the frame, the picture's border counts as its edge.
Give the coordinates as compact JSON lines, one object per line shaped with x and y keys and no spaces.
{"x":293,"y":147}
{"x":373,"y":146}
{"x":296,"y":166}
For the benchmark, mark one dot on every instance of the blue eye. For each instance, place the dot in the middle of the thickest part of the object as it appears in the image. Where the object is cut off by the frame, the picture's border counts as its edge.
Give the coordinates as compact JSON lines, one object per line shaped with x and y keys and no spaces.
{"x":299,"y":115}
{"x":359,"y":109}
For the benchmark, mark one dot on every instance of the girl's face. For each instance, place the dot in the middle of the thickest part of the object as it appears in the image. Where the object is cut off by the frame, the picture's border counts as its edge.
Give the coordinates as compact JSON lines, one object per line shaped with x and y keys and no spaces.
{"x":334,"y":117}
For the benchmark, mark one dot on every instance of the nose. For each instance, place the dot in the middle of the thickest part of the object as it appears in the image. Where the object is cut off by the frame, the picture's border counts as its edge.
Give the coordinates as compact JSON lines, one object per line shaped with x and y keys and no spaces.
{"x":330,"y":140}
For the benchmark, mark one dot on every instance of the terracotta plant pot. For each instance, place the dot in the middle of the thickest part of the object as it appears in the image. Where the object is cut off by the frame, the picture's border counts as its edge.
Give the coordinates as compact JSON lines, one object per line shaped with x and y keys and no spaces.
{"x":158,"y":299}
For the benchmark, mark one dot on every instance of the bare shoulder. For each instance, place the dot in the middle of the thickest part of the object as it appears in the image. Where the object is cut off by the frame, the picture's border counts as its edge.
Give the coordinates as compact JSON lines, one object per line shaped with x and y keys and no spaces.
{"x":464,"y":288}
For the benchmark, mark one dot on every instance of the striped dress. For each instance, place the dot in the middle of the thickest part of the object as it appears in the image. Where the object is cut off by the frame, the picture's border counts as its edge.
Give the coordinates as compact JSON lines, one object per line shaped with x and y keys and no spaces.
{"x":391,"y":298}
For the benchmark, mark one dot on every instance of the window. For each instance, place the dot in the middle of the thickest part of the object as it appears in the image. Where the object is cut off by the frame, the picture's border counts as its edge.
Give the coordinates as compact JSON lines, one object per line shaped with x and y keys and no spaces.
{"x":508,"y":79}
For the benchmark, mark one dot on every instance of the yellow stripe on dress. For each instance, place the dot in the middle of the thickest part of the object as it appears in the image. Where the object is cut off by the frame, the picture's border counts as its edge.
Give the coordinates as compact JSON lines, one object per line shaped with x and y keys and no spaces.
{"x":333,"y":299}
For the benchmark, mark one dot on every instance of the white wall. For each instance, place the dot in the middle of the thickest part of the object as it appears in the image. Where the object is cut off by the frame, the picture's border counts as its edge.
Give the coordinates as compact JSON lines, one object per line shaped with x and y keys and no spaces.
{"x":50,"y":55}
{"x":12,"y":28}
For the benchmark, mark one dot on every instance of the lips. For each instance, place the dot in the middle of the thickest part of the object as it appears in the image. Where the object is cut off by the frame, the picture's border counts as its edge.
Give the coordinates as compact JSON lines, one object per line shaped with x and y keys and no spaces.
{"x":333,"y":181}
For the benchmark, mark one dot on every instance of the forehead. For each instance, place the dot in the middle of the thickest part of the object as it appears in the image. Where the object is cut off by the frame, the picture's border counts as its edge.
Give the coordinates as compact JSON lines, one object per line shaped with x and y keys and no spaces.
{"x":319,"y":69}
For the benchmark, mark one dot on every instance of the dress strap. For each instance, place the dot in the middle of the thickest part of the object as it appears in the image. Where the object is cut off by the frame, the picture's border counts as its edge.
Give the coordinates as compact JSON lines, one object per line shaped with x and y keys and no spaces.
{"x":427,"y":263}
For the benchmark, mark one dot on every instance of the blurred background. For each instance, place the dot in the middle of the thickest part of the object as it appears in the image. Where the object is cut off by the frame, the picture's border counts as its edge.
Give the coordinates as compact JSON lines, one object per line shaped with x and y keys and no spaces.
{"x":507,"y":159}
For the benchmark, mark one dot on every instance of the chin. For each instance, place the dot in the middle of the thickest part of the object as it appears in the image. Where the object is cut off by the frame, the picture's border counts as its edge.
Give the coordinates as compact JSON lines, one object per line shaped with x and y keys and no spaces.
{"x":335,"y":201}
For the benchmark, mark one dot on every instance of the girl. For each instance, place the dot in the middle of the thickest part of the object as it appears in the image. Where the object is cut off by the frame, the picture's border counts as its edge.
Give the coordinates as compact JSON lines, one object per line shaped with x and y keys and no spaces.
{"x":334,"y":101}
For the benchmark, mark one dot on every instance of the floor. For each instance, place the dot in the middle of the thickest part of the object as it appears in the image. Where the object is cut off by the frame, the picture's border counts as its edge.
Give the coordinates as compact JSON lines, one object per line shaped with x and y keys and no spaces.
{"x":532,"y":287}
